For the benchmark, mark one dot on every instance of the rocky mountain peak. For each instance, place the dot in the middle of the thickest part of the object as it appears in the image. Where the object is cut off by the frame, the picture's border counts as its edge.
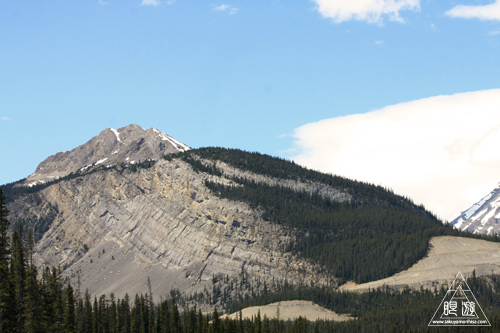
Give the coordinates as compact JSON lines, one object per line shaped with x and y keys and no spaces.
{"x":482,"y":217}
{"x":130,"y":144}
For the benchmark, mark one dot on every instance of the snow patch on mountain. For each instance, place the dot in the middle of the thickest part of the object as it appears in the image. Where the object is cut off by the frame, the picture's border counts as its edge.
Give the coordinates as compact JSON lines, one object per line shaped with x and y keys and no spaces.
{"x":488,"y":216}
{"x":472,"y":210}
{"x":178,"y":145}
{"x":481,"y":217}
{"x":117,"y":135}
{"x":478,"y":215}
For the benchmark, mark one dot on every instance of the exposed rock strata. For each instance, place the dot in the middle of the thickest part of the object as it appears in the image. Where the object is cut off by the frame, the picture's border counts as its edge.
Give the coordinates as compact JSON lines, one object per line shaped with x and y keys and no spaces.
{"x":115,"y":229}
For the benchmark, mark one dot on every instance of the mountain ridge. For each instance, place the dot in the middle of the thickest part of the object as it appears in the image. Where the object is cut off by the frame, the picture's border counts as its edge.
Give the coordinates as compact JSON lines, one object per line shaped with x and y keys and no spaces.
{"x":189,"y":218}
{"x":482,"y":217}
{"x":129,"y":144}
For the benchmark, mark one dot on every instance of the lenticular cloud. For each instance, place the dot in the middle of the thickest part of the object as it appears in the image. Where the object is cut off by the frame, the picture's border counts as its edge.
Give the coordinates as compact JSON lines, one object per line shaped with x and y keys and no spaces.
{"x":440,"y":151}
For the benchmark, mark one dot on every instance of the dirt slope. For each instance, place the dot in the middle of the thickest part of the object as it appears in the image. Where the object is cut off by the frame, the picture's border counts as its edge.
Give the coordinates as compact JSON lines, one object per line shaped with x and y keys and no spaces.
{"x":448,"y":256}
{"x":291,"y":310}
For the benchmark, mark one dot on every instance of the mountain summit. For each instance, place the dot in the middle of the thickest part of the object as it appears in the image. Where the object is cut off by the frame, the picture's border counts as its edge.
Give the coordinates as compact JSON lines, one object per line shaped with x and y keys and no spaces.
{"x":130,"y":144}
{"x":482,"y":217}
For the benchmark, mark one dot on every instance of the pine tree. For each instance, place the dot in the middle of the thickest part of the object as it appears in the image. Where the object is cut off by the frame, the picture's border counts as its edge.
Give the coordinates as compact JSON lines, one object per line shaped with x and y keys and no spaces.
{"x":103,"y":314}
{"x":216,"y":327}
{"x":206,"y":325}
{"x":135,"y":315}
{"x":266,"y":326}
{"x":32,"y":297}
{"x":151,"y":308}
{"x":163,"y":318}
{"x":18,"y":275}
{"x":144,"y":314}
{"x":53,"y":300}
{"x":7,"y":311}
{"x":192,"y":323}
{"x":69,"y":310}
{"x":124,"y":321}
{"x":240,"y":321}
{"x":257,"y":323}
{"x":199,"y":322}
{"x":87,"y":320}
{"x":316,"y":326}
{"x":95,"y":316}
{"x":79,"y":306}
{"x":4,"y":239}
{"x":175,"y":321}
{"x":79,"y":314}
{"x":32,"y":302}
{"x":113,"y":314}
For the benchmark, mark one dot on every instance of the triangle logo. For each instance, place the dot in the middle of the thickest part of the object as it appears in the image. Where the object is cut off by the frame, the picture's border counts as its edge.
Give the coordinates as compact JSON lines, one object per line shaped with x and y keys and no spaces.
{"x":459,"y":307}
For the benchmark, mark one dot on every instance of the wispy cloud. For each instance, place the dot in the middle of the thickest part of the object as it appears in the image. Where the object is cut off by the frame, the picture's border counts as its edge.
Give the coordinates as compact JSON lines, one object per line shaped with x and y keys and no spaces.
{"x":226,"y":8}
{"x":102,"y":2}
{"x":150,"y":3}
{"x":5,"y":118}
{"x":482,"y":12}
{"x":440,"y":151}
{"x":371,"y":11}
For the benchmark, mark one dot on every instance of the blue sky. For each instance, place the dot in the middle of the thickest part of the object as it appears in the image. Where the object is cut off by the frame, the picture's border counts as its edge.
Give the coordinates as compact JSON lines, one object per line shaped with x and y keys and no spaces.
{"x":240,"y":74}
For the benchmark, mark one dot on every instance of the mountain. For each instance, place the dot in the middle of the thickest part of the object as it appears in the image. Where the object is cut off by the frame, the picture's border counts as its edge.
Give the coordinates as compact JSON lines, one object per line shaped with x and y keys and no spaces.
{"x":113,"y":213}
{"x":134,"y":205}
{"x":482,"y":217}
{"x":129,"y":144}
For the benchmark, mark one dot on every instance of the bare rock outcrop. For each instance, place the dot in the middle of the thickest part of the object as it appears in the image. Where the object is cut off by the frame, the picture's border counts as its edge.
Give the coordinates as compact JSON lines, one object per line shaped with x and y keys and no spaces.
{"x":130,"y":144}
{"x":115,"y":228}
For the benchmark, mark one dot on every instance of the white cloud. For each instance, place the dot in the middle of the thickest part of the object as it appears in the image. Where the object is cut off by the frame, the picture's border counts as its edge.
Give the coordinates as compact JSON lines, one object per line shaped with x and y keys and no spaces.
{"x":102,"y":2}
{"x":371,"y":11}
{"x":226,"y":8}
{"x":482,"y":12}
{"x":440,"y":151}
{"x":150,"y":3}
{"x":5,"y":118}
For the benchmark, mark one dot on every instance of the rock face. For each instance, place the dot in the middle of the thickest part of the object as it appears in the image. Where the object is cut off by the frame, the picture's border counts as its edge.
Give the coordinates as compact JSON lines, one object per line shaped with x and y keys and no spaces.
{"x":116,"y":227}
{"x":482,"y":217}
{"x":129,"y":144}
{"x":162,"y":217}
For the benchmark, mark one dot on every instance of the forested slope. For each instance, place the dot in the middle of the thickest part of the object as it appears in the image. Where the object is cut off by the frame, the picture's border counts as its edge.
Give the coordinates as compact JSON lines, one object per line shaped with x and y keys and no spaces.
{"x":374,"y":235}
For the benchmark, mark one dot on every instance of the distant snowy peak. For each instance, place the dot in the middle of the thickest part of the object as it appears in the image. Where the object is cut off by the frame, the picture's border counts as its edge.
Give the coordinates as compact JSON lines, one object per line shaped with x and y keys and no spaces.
{"x":482,"y":217}
{"x":130,"y":144}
